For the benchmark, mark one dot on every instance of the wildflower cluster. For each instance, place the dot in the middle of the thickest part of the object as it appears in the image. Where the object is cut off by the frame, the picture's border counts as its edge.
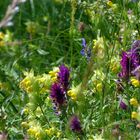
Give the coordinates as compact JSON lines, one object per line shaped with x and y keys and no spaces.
{"x":40,"y":84}
{"x":96,"y":95}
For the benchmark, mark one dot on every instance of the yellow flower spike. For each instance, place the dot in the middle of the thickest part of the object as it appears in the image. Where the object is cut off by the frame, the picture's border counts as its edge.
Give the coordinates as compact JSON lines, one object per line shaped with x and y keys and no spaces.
{"x":135,"y":82}
{"x":133,"y":102}
{"x":134,"y":115}
{"x":98,"y":47}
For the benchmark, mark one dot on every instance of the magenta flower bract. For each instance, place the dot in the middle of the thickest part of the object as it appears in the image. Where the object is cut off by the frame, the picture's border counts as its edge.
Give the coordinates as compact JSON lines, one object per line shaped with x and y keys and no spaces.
{"x":125,"y":65}
{"x":123,"y":105}
{"x":57,"y":94}
{"x":75,"y":124}
{"x":64,"y":76}
{"x":130,"y":60}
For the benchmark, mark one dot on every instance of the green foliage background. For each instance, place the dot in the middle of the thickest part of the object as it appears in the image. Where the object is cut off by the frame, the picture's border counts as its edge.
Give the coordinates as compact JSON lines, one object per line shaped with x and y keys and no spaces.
{"x":53,"y":38}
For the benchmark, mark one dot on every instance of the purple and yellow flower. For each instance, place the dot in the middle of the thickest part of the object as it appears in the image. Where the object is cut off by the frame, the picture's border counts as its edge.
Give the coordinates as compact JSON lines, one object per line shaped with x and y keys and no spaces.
{"x":75,"y":124}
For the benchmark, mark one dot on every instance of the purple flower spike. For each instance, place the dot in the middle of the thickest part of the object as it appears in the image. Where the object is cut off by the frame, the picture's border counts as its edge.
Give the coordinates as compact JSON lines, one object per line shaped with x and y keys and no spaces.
{"x":75,"y":124}
{"x":82,"y":52}
{"x":123,"y":105}
{"x":125,"y":64}
{"x":57,"y":94}
{"x":83,"y":43}
{"x":86,"y":51}
{"x":130,"y":60}
{"x":64,"y":76}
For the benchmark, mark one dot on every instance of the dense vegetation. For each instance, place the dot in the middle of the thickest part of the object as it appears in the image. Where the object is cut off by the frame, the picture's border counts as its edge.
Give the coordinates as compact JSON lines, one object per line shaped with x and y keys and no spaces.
{"x":70,"y":70}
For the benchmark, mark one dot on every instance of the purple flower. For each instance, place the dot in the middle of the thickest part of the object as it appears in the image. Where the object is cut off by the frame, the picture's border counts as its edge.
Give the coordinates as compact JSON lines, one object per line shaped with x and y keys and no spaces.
{"x":82,"y":52}
{"x":123,"y":105}
{"x":136,"y":72}
{"x":136,"y":44}
{"x":125,"y":65}
{"x":83,"y":42}
{"x":57,"y":95}
{"x":75,"y":124}
{"x":85,"y":50}
{"x":135,"y":53}
{"x":130,"y":60}
{"x":64,"y":76}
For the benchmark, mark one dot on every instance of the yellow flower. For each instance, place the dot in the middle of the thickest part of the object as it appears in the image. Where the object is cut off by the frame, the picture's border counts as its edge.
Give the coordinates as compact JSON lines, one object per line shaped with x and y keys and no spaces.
{"x":98,"y":47}
{"x":31,"y":131}
{"x":110,"y":3}
{"x":1,"y":35}
{"x":73,"y":93}
{"x":24,"y":124}
{"x":44,"y":83}
{"x":99,"y":87}
{"x":25,"y":110}
{"x":134,"y":115}
{"x":58,"y":134}
{"x":135,"y":82}
{"x":26,"y":83}
{"x":54,"y":73}
{"x":134,"y":102}
{"x":38,"y":135}
{"x":35,"y":131}
{"x":114,"y":65}
{"x":48,"y":131}
{"x":2,"y":43}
